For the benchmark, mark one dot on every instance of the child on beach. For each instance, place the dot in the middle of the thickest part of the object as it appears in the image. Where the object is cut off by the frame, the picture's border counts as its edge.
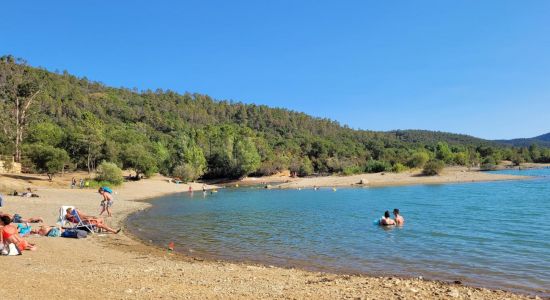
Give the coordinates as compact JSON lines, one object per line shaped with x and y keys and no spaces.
{"x":107,"y":201}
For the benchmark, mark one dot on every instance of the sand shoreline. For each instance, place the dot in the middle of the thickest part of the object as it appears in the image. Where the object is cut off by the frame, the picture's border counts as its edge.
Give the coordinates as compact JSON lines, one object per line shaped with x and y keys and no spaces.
{"x":125,"y":267}
{"x":413,"y":177}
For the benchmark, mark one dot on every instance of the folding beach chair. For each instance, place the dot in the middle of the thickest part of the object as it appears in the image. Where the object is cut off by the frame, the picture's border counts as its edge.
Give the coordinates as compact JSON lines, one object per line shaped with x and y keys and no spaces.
{"x":80,"y":224}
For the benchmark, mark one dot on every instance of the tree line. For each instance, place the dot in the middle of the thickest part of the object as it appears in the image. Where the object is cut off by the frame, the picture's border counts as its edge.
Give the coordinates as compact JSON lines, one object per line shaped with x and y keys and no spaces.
{"x":54,"y":120}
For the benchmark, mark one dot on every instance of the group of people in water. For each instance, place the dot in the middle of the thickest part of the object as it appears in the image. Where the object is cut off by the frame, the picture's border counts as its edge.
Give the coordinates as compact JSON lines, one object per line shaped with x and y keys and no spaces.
{"x":14,"y":227}
{"x":398,"y":219}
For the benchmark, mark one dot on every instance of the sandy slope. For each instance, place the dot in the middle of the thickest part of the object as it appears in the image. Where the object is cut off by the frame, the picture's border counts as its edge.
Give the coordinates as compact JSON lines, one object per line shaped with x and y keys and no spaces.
{"x":118,"y":267}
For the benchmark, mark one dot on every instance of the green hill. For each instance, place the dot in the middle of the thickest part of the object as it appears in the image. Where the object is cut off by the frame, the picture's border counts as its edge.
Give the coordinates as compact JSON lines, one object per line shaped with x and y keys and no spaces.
{"x":541,"y":140}
{"x":84,"y":123}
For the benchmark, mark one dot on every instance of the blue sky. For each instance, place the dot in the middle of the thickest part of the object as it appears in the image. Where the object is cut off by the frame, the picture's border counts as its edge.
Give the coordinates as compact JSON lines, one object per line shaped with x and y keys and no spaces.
{"x":473,"y":67}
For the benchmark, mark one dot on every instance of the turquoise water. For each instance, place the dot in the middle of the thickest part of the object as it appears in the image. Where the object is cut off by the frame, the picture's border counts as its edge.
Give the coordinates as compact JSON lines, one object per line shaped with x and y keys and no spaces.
{"x":492,"y":234}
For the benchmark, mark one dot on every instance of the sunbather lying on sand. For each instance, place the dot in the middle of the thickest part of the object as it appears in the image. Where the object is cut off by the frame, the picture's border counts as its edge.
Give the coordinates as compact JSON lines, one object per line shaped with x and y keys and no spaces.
{"x":72,"y":214}
{"x":10,"y":235}
{"x":45,"y":230}
{"x":16,"y":218}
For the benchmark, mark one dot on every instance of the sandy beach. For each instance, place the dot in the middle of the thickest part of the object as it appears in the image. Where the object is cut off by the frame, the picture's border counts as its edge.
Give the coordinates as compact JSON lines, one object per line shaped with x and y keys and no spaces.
{"x":449,"y":175}
{"x":120,"y":267}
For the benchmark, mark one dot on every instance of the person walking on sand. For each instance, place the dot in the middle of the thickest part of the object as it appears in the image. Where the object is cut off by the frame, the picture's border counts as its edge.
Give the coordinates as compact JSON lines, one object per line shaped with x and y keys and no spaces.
{"x":73,"y":183}
{"x":107,"y":201}
{"x":399,"y":220}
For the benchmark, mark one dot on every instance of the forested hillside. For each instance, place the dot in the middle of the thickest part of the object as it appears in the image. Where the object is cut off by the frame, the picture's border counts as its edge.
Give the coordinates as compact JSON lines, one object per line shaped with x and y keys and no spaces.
{"x":78,"y":123}
{"x":541,"y":140}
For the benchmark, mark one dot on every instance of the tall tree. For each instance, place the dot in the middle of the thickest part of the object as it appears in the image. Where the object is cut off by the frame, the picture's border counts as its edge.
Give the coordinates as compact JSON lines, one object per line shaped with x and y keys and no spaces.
{"x":18,"y":91}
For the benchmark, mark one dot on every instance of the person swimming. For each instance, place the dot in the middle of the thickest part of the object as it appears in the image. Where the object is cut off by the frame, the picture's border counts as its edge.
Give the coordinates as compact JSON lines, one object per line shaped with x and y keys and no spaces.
{"x":386,"y":220}
{"x":399,"y":220}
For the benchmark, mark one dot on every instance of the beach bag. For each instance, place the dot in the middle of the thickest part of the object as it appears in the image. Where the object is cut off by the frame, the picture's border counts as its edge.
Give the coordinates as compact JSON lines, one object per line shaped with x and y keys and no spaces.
{"x":10,"y":249}
{"x":74,"y":233}
{"x":107,"y":189}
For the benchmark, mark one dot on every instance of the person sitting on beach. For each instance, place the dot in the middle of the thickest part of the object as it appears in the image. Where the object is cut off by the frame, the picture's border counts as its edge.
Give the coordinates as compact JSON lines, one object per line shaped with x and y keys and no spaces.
{"x":16,"y":218}
{"x":386,"y":220}
{"x":107,"y":201}
{"x":399,"y":220}
{"x":10,"y":234}
{"x":72,"y":214}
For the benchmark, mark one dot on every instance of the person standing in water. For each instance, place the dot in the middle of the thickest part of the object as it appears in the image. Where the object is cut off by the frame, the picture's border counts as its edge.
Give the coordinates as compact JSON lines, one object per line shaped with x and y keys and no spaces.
{"x":399,"y":220}
{"x":386,"y":220}
{"x":107,"y":201}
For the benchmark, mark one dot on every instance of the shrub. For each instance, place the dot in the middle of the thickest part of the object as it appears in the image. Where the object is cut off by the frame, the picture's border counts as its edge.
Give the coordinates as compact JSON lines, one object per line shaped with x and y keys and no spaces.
{"x":376,"y":166}
{"x":461,"y":159}
{"x":350,"y":170}
{"x":433,"y":167}
{"x":302,"y":166}
{"x":109,"y":172}
{"x":398,"y":168}
{"x":47,"y":159}
{"x":418,"y":160}
{"x":186,"y":172}
{"x":488,"y":164}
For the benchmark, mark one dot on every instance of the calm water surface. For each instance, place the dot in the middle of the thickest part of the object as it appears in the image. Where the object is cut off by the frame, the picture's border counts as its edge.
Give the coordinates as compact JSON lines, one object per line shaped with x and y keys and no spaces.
{"x":493,"y":234}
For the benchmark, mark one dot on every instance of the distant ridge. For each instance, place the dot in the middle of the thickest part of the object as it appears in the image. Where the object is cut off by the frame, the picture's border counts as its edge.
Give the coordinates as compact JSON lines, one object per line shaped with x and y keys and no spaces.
{"x":541,"y":140}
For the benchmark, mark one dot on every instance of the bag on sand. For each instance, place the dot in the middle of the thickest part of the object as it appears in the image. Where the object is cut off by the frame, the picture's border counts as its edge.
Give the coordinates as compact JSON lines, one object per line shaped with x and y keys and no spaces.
{"x":10,"y":249}
{"x":74,"y":233}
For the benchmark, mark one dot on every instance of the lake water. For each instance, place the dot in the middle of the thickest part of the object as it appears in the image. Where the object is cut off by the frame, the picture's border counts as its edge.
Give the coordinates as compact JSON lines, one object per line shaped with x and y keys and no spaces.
{"x":492,"y":234}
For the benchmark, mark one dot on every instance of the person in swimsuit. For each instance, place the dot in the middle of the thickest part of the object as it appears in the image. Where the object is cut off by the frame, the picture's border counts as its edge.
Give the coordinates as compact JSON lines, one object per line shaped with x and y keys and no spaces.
{"x":386,"y":220}
{"x":107,"y":201}
{"x":16,"y":218}
{"x":10,"y":235}
{"x":398,"y":218}
{"x":45,"y":230}
{"x":98,"y":222}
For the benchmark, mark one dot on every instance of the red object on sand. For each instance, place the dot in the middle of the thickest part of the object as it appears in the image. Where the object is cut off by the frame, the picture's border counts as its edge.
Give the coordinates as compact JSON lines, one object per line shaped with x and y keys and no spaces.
{"x":171,"y":246}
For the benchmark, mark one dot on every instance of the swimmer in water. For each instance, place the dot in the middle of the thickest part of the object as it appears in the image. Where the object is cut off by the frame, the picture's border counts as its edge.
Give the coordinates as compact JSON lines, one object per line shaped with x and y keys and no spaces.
{"x":386,"y":220}
{"x":399,"y":220}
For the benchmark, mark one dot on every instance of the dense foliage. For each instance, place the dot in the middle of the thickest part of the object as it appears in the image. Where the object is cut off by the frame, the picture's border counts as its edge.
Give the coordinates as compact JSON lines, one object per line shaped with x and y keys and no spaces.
{"x":196,"y":136}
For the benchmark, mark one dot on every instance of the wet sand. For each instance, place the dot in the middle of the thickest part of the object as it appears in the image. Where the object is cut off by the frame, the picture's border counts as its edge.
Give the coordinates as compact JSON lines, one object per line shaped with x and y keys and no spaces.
{"x":121,"y":267}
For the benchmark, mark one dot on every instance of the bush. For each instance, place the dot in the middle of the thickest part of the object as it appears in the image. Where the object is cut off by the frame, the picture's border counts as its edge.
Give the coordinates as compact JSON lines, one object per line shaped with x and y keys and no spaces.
{"x":433,"y":167}
{"x":461,"y":159}
{"x":186,"y":172}
{"x":302,"y":166}
{"x":109,"y":172}
{"x":398,"y":168}
{"x":47,"y":159}
{"x":350,"y":170}
{"x":418,"y":160}
{"x":488,"y":164}
{"x":376,"y":166}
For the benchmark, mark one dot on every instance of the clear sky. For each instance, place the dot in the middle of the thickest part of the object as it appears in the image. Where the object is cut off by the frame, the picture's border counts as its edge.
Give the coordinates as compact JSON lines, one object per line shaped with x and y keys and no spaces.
{"x":474,"y":67}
